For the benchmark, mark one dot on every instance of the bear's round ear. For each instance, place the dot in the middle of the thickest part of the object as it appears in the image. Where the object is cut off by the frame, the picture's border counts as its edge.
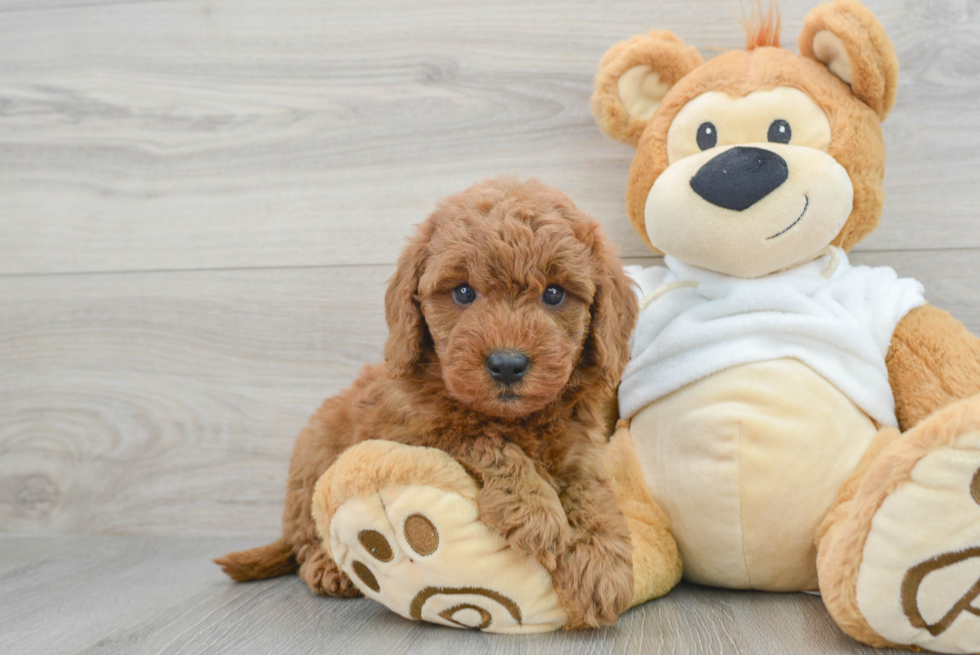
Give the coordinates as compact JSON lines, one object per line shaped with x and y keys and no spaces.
{"x":634,"y":76}
{"x":847,"y":38}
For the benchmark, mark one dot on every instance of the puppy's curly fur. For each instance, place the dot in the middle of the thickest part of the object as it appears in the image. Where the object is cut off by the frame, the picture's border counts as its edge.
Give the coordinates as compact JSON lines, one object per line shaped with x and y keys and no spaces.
{"x":534,"y":445}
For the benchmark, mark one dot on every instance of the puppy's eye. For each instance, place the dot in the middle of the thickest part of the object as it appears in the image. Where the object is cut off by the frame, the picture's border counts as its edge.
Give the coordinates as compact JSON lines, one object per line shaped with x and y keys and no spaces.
{"x":464,"y":294}
{"x":553,"y":295}
{"x":707,"y":136}
{"x":780,"y":131}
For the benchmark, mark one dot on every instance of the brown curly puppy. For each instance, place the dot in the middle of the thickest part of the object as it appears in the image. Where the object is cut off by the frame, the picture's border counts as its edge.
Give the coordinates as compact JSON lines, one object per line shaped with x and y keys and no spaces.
{"x":509,"y":320}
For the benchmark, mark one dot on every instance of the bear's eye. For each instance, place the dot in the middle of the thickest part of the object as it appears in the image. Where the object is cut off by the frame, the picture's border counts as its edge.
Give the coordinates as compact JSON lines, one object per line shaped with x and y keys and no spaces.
{"x":780,"y":132}
{"x":464,"y":294}
{"x":553,"y":295}
{"x":707,"y":136}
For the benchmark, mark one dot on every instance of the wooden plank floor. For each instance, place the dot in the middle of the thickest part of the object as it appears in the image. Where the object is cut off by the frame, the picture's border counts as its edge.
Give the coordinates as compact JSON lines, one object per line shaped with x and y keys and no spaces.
{"x":99,"y":594}
{"x":200,"y":201}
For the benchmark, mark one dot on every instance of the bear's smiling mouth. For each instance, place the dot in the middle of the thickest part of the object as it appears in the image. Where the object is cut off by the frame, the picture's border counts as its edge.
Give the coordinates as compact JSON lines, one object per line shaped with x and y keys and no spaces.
{"x":791,"y":225}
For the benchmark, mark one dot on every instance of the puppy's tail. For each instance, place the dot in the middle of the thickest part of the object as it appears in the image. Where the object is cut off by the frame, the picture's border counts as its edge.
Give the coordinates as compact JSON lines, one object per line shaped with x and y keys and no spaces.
{"x":259,"y":563}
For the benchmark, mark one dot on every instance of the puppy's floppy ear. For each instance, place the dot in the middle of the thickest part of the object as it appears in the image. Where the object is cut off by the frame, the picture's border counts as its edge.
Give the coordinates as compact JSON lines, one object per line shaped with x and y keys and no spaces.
{"x":847,"y":38}
{"x":634,"y":76}
{"x":406,"y":327}
{"x":614,"y":311}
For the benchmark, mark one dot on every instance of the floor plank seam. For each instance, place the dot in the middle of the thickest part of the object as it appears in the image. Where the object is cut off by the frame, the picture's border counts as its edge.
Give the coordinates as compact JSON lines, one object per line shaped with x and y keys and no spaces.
{"x":364,"y":265}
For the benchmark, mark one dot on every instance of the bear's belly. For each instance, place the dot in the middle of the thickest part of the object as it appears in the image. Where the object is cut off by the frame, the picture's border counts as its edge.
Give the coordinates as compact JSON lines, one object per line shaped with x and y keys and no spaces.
{"x":746,"y":463}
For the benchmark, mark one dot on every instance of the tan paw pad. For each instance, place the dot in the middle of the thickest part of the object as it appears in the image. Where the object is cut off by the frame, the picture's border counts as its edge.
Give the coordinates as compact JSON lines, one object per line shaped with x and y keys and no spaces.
{"x":422,"y":552}
{"x":919,"y":582}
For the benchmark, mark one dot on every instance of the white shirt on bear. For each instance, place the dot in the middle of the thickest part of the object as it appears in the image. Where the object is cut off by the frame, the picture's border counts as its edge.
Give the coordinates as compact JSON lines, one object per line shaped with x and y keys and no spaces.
{"x":840,"y":326}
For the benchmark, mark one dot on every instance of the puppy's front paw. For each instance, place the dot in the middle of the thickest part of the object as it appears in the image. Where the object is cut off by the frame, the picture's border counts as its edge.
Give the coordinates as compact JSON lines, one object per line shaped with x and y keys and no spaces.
{"x":324,"y":577}
{"x":594,"y":579}
{"x":534,"y":525}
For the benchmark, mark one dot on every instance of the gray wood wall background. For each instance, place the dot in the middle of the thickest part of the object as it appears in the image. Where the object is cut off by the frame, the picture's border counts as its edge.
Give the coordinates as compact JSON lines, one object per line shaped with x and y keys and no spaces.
{"x":200,"y":202}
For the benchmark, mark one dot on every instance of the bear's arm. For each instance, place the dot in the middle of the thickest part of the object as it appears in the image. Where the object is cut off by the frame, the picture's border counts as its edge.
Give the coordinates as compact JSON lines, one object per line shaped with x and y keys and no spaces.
{"x":933,"y":360}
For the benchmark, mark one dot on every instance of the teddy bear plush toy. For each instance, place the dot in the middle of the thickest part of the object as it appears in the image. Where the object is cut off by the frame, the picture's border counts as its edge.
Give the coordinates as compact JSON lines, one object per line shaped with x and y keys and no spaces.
{"x":805,"y":423}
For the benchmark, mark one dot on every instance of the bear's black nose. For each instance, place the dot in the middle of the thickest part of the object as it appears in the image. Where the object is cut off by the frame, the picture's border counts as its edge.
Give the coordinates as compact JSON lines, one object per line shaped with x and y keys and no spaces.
{"x":740,"y":177}
{"x":507,"y":366}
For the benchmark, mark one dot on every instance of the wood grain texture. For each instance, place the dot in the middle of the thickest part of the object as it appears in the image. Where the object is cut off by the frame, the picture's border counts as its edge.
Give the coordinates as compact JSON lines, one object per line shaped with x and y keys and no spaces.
{"x":168,"y":403}
{"x":133,"y":595}
{"x":229,"y":133}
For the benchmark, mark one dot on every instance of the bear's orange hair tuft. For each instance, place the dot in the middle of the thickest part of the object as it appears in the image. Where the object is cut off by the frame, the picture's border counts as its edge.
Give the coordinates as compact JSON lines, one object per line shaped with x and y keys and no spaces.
{"x":761,"y":26}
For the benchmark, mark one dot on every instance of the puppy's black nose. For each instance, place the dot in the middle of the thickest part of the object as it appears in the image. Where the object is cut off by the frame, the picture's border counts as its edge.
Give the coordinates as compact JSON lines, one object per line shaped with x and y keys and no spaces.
{"x":740,"y":177}
{"x":507,"y":366}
